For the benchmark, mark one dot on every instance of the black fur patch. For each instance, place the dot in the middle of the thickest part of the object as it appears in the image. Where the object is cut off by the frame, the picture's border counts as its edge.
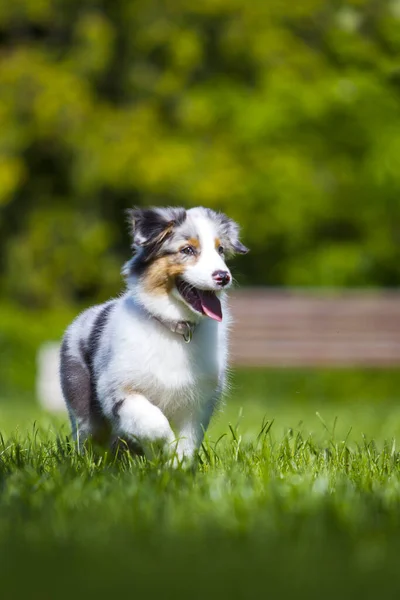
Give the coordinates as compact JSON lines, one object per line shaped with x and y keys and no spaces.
{"x":78,"y":381}
{"x":78,"y":389}
{"x":89,"y":353}
{"x":75,"y":382}
{"x":137,"y":266}
{"x":151,"y":228}
{"x":98,"y":326}
{"x":116,"y":407}
{"x":152,"y":224}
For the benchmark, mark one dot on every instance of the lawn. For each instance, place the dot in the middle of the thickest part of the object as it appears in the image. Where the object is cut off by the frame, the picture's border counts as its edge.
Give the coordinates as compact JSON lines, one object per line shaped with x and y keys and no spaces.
{"x":285,"y":502}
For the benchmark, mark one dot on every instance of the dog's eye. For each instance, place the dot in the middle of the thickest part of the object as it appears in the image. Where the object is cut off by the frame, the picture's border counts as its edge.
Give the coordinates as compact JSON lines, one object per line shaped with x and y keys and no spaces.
{"x":188,"y":250}
{"x":220,"y":249}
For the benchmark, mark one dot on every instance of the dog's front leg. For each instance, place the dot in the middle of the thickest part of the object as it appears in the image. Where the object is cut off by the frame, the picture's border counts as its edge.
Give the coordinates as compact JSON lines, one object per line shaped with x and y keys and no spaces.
{"x":191,"y":426}
{"x":137,"y":419}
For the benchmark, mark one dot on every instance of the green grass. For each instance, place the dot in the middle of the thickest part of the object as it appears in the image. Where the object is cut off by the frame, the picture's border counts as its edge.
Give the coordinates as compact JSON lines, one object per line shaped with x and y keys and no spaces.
{"x":285,"y":504}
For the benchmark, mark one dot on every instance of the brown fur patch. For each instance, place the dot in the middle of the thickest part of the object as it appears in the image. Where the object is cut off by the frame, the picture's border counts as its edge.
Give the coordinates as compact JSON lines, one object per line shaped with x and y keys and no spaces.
{"x":217,"y":243}
{"x":159,"y":278}
{"x":191,"y":242}
{"x":175,"y":270}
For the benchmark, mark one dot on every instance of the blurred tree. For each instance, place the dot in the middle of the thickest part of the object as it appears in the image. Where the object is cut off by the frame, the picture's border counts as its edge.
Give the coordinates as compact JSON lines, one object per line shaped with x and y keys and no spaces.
{"x":284,"y":115}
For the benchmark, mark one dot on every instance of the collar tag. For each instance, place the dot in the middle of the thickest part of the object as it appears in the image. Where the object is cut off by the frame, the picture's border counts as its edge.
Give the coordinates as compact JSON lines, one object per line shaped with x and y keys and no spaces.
{"x":187,"y":336}
{"x":183,"y":328}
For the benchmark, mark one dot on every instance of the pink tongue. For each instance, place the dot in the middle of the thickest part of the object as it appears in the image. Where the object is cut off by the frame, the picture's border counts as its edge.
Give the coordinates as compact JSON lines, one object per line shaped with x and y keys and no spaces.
{"x":211,"y":305}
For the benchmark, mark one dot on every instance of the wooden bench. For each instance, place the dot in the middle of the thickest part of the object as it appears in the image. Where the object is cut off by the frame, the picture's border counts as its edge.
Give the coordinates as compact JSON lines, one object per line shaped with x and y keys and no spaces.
{"x":298,"y":328}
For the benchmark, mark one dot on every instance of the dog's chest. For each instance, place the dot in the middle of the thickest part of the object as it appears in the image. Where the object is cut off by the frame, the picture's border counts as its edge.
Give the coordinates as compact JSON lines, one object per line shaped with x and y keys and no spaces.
{"x":168,"y":371}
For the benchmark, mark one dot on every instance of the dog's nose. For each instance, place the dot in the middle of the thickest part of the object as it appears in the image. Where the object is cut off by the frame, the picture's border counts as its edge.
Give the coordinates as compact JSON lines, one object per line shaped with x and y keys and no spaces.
{"x":221,"y":277}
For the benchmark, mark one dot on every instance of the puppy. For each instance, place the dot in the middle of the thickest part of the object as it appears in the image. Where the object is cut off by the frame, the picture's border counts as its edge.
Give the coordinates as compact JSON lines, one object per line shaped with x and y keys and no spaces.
{"x":150,"y":366}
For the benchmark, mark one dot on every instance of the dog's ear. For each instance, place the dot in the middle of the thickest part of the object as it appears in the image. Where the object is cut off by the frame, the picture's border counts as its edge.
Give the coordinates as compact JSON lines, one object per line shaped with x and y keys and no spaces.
{"x":234,"y":241}
{"x":229,"y":233}
{"x":151,"y":227}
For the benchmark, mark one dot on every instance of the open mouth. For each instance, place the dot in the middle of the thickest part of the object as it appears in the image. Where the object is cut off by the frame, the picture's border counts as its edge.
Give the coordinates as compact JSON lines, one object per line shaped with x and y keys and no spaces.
{"x":204,"y":302}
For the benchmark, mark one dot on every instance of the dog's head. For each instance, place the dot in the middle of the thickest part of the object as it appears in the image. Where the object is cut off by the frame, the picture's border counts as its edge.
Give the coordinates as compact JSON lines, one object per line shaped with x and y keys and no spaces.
{"x":179,"y":257}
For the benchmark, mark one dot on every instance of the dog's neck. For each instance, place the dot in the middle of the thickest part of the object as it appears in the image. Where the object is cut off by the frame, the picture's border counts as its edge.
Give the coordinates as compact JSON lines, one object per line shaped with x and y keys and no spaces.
{"x":183,"y":328}
{"x":168,"y":311}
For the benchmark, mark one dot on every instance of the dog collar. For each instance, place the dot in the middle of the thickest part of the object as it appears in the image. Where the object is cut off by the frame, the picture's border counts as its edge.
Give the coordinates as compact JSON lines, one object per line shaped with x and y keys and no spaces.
{"x":183,"y":328}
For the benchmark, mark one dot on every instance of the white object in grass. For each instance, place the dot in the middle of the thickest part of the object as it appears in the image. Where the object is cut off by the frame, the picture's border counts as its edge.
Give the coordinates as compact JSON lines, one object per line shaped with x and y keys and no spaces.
{"x":48,"y":388}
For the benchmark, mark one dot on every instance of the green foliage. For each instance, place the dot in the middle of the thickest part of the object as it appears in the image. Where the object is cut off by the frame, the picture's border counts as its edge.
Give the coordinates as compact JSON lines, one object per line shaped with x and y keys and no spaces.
{"x":286,"y":117}
{"x":21,"y":334}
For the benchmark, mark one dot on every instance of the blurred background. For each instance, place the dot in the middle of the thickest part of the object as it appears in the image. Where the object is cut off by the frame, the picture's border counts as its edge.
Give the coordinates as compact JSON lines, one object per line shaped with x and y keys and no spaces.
{"x":284,"y":115}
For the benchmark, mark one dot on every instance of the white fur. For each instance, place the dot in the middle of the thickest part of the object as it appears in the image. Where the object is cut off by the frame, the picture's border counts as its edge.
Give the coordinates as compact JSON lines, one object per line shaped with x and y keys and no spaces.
{"x":143,"y":421}
{"x":200,"y":274}
{"x":153,"y":387}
